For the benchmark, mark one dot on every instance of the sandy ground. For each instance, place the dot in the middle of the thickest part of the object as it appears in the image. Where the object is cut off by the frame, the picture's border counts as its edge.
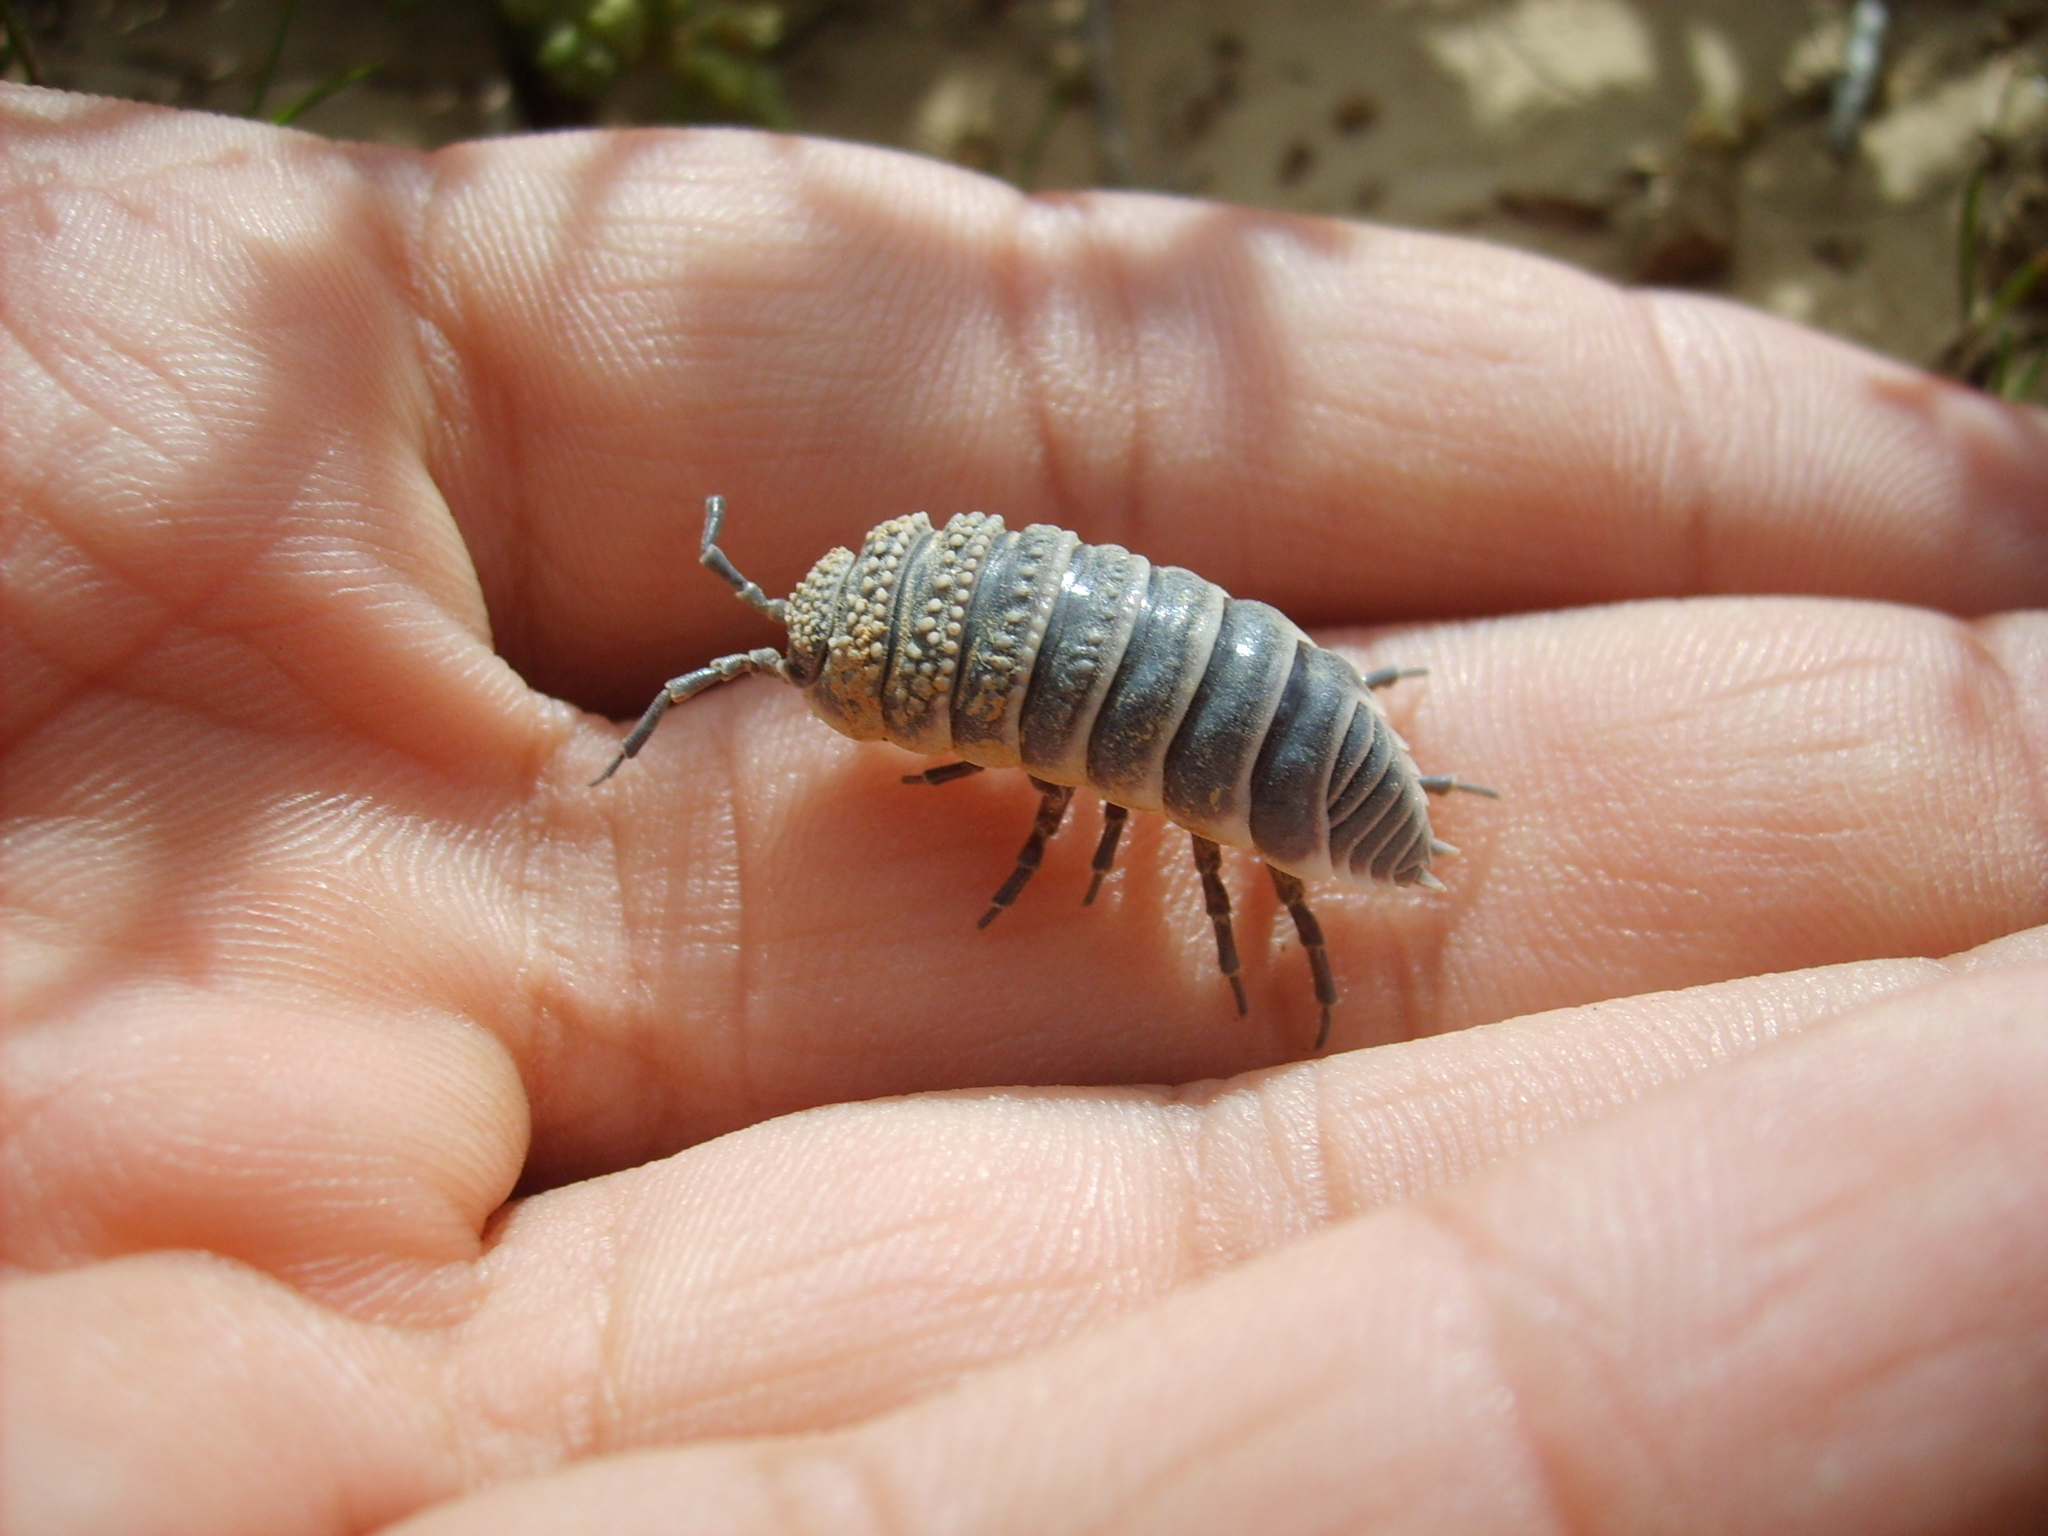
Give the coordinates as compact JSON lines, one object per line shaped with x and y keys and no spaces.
{"x":1669,"y":141}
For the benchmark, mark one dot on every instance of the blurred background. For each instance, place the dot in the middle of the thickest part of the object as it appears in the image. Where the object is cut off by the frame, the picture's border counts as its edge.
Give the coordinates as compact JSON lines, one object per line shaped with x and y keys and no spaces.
{"x":1878,"y":168}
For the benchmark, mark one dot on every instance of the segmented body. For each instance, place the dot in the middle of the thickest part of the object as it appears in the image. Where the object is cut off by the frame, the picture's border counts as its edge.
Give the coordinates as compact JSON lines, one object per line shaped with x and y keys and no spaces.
{"x":1089,"y":666}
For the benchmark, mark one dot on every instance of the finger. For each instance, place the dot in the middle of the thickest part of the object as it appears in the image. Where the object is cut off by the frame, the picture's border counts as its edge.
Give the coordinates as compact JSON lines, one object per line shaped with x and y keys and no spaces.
{"x":1807,"y":1294}
{"x":811,"y":1272}
{"x":246,"y":665}
{"x":1691,"y":793}
{"x":177,"y":1394}
{"x":756,"y":919}
{"x":1348,"y":422}
{"x":1763,"y":797}
{"x":357,"y":1157}
{"x":900,"y":1245}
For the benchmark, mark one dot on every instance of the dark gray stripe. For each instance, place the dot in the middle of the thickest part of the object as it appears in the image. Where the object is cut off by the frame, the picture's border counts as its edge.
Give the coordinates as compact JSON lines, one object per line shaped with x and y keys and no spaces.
{"x":1361,"y":834}
{"x":1142,"y":712}
{"x":1207,"y":762}
{"x":1290,"y":781}
{"x":1073,"y":660}
{"x":1376,"y":758}
{"x":1393,"y":826}
{"x":1392,"y":859}
{"x":913,"y":587}
{"x":1358,"y":739}
{"x":975,"y":720}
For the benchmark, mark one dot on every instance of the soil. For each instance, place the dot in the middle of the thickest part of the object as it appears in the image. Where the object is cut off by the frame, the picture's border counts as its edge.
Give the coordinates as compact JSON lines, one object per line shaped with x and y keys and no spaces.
{"x":1680,"y":142}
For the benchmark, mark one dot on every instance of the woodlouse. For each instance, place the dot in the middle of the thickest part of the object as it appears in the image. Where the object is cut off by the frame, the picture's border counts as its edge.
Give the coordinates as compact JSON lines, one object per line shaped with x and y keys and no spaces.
{"x":1088,"y":666}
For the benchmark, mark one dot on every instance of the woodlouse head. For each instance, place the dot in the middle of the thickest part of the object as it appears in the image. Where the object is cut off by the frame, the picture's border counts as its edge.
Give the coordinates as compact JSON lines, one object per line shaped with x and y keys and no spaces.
{"x":812,"y":608}
{"x":841,"y":622}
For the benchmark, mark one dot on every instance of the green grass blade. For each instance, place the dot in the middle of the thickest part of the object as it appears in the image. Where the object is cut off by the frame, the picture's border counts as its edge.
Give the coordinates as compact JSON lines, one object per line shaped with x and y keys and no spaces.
{"x":2022,"y":386}
{"x":1970,"y":239}
{"x":268,"y":71}
{"x":319,"y":93}
{"x":17,"y":39}
{"x":2014,"y":293}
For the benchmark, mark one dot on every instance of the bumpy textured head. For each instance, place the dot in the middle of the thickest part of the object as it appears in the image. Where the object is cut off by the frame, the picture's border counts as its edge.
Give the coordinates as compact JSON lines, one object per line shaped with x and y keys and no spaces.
{"x":875,"y":639}
{"x":811,"y":607}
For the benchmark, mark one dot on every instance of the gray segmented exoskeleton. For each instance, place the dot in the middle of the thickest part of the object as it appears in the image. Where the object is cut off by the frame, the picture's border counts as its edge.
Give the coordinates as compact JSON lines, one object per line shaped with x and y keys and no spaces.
{"x":1087,"y":665}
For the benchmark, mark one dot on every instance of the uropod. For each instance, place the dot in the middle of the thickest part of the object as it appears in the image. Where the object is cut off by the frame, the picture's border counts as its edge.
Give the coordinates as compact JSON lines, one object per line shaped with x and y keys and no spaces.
{"x":1089,"y":666}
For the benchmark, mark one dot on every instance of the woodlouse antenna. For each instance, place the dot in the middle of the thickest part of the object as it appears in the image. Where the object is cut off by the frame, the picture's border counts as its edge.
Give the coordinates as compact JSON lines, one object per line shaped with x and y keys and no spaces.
{"x":716,"y":561}
{"x":725,"y":668}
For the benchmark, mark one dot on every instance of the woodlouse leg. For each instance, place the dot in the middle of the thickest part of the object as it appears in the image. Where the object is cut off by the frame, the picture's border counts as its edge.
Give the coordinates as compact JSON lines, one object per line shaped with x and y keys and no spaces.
{"x":1444,"y":783}
{"x":688,"y":686}
{"x":714,"y":559}
{"x":1113,"y":818}
{"x":945,"y":773}
{"x":1052,"y":810}
{"x":1386,"y":677}
{"x":1295,"y":898}
{"x":1209,"y":860}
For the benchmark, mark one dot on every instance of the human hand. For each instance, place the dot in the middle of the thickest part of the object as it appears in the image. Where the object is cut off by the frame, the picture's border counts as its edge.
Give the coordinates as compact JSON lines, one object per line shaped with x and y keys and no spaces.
{"x":319,"y":943}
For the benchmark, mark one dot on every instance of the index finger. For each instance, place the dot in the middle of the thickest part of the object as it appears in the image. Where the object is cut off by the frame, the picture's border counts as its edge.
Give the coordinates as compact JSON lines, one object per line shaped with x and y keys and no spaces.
{"x":1352,"y":423}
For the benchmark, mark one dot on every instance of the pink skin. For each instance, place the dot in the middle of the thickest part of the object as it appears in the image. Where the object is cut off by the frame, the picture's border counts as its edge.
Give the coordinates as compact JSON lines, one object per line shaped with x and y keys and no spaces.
{"x":317,"y":944}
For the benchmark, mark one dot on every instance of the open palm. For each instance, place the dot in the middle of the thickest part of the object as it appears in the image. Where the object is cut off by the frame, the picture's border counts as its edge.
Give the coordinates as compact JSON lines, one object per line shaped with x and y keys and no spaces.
{"x":330,"y":472}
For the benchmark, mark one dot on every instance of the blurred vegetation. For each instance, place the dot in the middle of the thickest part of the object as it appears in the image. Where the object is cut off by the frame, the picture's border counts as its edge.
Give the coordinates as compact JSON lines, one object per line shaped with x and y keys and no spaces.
{"x":17,"y":46}
{"x":1759,"y":176}
{"x":2001,"y":340}
{"x":568,"y":61}
{"x":306,"y":101}
{"x":713,"y":55}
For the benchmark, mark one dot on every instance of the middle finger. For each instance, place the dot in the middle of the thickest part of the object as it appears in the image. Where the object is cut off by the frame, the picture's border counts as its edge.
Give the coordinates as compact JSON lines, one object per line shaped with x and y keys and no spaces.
{"x":1692,"y":791}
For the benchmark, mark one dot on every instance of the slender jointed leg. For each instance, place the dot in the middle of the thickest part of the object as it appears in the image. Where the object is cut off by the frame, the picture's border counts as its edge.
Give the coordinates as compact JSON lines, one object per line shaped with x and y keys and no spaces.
{"x":1295,"y":899}
{"x":945,"y":773}
{"x":690,"y":684}
{"x":1052,"y":810}
{"x":1209,"y":860}
{"x":1444,"y":783}
{"x":714,"y":560}
{"x":1113,"y":818}
{"x":1386,"y":677}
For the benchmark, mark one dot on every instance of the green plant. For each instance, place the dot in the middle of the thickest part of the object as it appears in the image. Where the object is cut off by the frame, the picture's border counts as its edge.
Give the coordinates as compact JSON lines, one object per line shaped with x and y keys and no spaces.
{"x":714,"y":52}
{"x":18,"y":45}
{"x":2001,"y":338}
{"x":266,"y":73}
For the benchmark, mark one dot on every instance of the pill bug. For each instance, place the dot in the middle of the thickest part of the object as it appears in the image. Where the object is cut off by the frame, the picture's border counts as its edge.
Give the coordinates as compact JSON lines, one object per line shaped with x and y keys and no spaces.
{"x":1089,"y":666}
